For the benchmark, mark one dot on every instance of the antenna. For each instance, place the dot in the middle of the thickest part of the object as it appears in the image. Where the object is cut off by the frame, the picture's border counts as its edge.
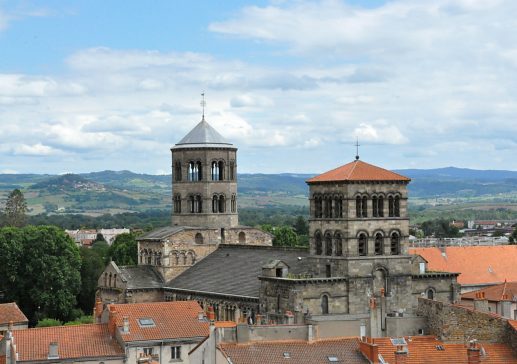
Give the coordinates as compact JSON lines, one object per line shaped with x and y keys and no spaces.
{"x":203,"y":103}
{"x":357,"y":145}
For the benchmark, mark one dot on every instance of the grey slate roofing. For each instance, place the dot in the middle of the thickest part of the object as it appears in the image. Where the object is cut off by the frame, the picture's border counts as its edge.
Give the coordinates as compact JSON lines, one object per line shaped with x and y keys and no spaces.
{"x":234,"y":269}
{"x":141,"y":276}
{"x":161,"y":233}
{"x":203,"y":135}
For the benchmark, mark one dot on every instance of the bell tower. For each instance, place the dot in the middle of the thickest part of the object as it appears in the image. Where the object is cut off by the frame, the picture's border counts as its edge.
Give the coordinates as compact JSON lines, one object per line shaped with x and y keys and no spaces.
{"x":204,"y":179}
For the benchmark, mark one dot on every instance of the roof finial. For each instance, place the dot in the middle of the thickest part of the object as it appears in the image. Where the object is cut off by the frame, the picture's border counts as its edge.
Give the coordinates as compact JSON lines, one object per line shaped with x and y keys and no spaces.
{"x":203,"y":104}
{"x":357,"y":149}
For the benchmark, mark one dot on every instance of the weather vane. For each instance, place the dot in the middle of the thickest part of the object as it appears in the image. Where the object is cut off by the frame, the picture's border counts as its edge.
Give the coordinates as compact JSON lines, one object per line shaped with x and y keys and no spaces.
{"x":203,"y":103}
{"x":357,"y":145}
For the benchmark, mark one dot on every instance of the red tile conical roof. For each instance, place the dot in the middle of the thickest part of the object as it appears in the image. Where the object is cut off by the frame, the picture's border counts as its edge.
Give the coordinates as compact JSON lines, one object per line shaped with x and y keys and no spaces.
{"x":358,"y":171}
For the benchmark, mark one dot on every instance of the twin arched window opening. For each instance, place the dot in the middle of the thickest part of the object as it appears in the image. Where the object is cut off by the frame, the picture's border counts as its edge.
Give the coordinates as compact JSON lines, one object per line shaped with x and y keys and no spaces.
{"x":394,"y":206}
{"x":195,"y":171}
{"x":195,"y":204}
{"x":361,"y":206}
{"x":233,"y":204}
{"x":328,"y":206}
{"x":177,"y":203}
{"x":217,"y":171}
{"x":218,"y":204}
{"x":177,"y":171}
{"x":331,"y":246}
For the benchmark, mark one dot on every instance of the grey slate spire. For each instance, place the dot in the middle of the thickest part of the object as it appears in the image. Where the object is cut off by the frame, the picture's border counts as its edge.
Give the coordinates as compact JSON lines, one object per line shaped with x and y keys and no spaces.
{"x":203,"y":134}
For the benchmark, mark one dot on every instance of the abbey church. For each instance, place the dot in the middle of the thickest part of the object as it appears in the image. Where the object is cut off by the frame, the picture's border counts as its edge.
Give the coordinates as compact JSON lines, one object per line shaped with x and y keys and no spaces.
{"x":356,"y":275}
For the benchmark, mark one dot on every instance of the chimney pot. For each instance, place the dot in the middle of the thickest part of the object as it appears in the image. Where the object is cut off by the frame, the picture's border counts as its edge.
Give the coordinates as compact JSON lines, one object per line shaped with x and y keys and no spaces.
{"x":473,"y":353}
{"x":125,"y":327}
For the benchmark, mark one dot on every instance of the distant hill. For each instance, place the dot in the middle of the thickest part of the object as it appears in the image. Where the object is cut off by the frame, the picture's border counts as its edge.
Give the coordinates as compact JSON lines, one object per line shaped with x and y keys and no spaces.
{"x":120,"y":191}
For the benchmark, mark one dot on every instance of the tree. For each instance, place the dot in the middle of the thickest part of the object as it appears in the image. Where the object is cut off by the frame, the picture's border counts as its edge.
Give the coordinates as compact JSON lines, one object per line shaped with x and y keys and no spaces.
{"x":282,"y":235}
{"x":49,"y":274}
{"x":48,"y":322}
{"x":93,"y":263}
{"x":11,"y":253}
{"x":124,"y":250}
{"x":15,"y":209}
{"x":301,"y":226}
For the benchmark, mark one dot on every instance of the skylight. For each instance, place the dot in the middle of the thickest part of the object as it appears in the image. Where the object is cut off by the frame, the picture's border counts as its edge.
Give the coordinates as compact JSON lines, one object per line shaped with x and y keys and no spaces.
{"x":333,"y":359}
{"x":398,"y":341}
{"x":146,"y":322}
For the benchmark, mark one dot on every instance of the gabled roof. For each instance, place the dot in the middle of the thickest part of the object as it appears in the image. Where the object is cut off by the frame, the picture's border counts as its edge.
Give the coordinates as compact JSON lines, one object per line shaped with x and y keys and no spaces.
{"x":170,"y":320}
{"x":358,"y":171}
{"x":346,"y":350}
{"x":203,"y":134}
{"x":499,"y":292}
{"x":423,"y":349}
{"x":78,"y":341}
{"x":161,"y":233}
{"x":234,"y":269}
{"x":477,"y":264}
{"x":11,"y":312}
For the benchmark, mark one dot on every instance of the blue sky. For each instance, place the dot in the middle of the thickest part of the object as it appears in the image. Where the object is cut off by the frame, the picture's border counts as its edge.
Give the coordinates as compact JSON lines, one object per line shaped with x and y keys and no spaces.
{"x":94,"y":85}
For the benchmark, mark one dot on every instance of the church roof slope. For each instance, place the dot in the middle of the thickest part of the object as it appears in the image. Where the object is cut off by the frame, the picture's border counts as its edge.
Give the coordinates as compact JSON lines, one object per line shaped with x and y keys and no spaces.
{"x":140,"y":276}
{"x":203,"y":133}
{"x":358,"y":171}
{"x":234,"y":269}
{"x":477,"y":264}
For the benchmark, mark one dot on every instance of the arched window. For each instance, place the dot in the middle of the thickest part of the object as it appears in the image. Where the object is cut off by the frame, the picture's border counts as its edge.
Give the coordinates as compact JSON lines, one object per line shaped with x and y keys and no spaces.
{"x":215,"y":204}
{"x":214,"y":171}
{"x":184,"y":259}
{"x":105,"y":279}
{"x":327,"y":207}
{"x":177,"y":171}
{"x":158,"y":258}
{"x":191,"y":204}
{"x":318,"y":208}
{"x":115,"y":280}
{"x":328,"y":244}
{"x":234,"y":203}
{"x":222,"y":203}
{"x":379,"y":244}
{"x":109,"y":280}
{"x":198,"y":204}
{"x":177,"y":203}
{"x":365,"y":206}
{"x":339,"y":244}
{"x":338,"y":203}
{"x":149,"y":258}
{"x":242,"y":237}
{"x":176,"y":259}
{"x":358,"y":207}
{"x":324,"y":304}
{"x":375,"y":206}
{"x":318,"y":243}
{"x":380,"y":206}
{"x":198,"y":238}
{"x":395,"y":244}
{"x":391,"y":207}
{"x":362,"y":244}
{"x":199,"y":169}
{"x":430,"y":294}
{"x":396,"y":207}
{"x":221,"y":170}
{"x":232,"y":170}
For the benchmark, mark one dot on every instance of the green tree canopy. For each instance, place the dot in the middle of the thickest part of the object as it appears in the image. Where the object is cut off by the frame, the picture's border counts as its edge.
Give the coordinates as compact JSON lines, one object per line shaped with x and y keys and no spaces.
{"x":124,"y":250}
{"x":47,"y":271}
{"x":16,"y":209}
{"x":282,"y":235}
{"x":93,"y":263}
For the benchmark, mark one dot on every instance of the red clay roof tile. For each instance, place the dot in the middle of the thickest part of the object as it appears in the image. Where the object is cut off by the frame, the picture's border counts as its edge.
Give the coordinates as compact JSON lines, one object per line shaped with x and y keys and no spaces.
{"x":422,"y":349}
{"x":499,"y":292}
{"x":172,"y":320}
{"x":92,"y":340}
{"x":358,"y":171}
{"x":11,"y":312}
{"x":299,"y":352}
{"x":477,"y":264}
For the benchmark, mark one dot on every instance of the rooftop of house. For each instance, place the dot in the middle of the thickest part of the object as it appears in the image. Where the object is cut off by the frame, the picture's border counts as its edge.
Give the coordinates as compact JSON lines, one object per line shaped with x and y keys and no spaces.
{"x":477,"y":264}
{"x":428,"y":349}
{"x":358,"y":171}
{"x":500,"y":292}
{"x":161,"y":320}
{"x":11,"y":312}
{"x":140,"y":276}
{"x":325,"y":351}
{"x":92,"y":340}
{"x":234,"y":269}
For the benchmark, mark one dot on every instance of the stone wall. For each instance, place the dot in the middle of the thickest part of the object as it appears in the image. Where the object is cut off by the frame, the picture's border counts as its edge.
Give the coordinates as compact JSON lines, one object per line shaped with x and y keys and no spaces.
{"x":453,"y":323}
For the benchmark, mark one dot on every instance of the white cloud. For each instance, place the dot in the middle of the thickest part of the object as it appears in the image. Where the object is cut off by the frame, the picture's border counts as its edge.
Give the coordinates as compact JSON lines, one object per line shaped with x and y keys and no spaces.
{"x":380,"y":133}
{"x":34,"y":150}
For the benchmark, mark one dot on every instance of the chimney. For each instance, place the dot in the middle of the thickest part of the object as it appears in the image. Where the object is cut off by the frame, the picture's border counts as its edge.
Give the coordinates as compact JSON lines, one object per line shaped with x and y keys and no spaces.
{"x":125,"y":327}
{"x":112,"y":323}
{"x":211,"y":314}
{"x":473,"y":353}
{"x":369,"y":350}
{"x":310,"y":333}
{"x":400,"y":355}
{"x":201,"y":316}
{"x":53,"y":350}
{"x":97,"y":311}
{"x":480,"y":302}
